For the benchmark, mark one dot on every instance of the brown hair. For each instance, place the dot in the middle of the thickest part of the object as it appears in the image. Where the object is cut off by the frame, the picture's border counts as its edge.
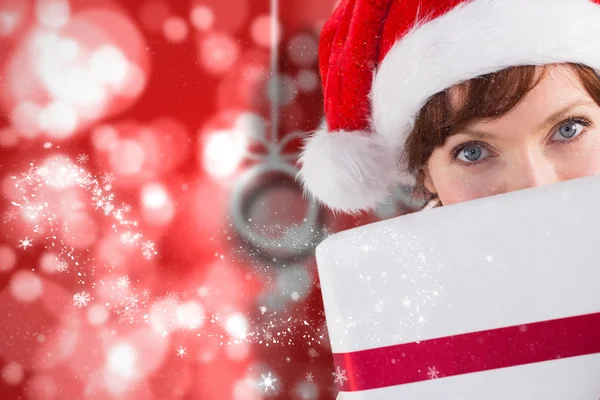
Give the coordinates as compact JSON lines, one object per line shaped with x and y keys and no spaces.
{"x":485,"y":97}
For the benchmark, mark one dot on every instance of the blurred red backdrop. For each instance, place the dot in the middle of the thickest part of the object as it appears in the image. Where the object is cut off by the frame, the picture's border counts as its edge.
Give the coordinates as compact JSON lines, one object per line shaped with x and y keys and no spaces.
{"x":155,"y":243}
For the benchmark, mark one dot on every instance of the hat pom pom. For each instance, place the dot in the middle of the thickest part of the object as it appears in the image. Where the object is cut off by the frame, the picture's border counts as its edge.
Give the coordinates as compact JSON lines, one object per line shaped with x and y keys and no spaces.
{"x":348,"y":171}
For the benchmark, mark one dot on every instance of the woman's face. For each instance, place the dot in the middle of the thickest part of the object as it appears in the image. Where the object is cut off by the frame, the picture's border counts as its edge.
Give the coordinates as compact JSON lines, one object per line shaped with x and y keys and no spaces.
{"x":551,"y":136}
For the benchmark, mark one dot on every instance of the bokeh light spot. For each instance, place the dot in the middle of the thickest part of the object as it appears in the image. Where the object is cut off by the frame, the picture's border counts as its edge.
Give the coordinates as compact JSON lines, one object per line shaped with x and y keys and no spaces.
{"x":175,"y":29}
{"x":25,"y":286}
{"x":52,"y":13}
{"x":8,"y":258}
{"x":202,"y":17}
{"x":13,"y":373}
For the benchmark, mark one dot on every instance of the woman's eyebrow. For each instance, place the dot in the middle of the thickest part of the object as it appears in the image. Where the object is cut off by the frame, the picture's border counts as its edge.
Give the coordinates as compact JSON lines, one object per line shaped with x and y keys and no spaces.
{"x":553,"y":119}
{"x":477,"y":134}
{"x":560,"y":114}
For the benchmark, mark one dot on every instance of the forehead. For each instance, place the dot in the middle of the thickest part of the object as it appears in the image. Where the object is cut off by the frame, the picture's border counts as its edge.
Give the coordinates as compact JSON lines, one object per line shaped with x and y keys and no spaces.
{"x":545,"y":79}
{"x":555,"y":86}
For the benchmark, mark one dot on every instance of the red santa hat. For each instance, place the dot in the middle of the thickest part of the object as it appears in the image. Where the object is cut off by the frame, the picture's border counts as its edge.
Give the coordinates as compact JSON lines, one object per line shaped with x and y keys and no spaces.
{"x":381,"y":60}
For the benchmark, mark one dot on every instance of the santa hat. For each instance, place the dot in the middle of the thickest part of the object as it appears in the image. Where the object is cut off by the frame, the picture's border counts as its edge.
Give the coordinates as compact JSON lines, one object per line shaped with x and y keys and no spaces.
{"x":381,"y":60}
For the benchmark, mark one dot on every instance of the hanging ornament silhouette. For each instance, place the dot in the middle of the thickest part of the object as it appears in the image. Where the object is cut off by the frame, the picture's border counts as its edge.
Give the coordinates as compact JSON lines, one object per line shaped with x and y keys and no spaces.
{"x":272,"y":172}
{"x":268,"y":177}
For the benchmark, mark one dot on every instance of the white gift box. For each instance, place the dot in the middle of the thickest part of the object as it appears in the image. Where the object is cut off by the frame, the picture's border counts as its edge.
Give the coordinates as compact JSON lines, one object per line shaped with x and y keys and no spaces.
{"x":496,"y":298}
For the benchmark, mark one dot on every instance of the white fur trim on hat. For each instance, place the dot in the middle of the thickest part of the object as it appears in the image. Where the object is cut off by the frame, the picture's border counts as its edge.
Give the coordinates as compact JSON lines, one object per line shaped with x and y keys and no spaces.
{"x":474,"y":39}
{"x":347,"y":171}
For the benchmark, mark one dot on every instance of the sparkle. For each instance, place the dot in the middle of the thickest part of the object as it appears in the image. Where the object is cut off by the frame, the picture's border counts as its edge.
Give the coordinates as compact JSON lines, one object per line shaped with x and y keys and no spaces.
{"x":173,"y":298}
{"x":148,"y":249}
{"x":9,"y":216}
{"x":181,"y":351}
{"x":62,"y":266}
{"x":267,"y":382}
{"x":123,"y":282}
{"x":26,"y":242}
{"x":433,"y":373}
{"x":129,"y":238}
{"x":81,"y":299}
{"x":406,"y":302}
{"x":339,"y":376}
{"x":288,"y":359}
{"x":108,"y":178}
{"x":38,"y":209}
{"x":47,"y":145}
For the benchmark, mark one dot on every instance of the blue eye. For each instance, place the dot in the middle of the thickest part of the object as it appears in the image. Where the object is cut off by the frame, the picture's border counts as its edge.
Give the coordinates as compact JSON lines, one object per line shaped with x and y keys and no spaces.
{"x":472,"y":153}
{"x":568,"y":130}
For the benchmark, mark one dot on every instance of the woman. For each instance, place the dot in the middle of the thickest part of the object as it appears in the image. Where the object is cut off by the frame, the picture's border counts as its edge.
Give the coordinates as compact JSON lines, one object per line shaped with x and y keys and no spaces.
{"x":514,"y":129}
{"x":463,"y":99}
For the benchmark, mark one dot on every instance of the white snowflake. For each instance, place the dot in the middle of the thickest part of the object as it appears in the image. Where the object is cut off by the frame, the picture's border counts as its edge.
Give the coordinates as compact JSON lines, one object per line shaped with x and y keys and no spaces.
{"x":288,"y":359}
{"x":268,"y":336}
{"x":131,"y":300}
{"x":310,"y":377}
{"x":107,"y":208}
{"x":26,"y":242}
{"x":47,"y":145}
{"x":28,"y":177}
{"x":9,"y":216}
{"x":126,"y":208}
{"x":148,"y":249}
{"x":82,"y":158}
{"x":146,"y":294}
{"x":112,"y":333}
{"x":379,"y":306}
{"x":123,"y":282}
{"x":295,"y":296}
{"x":406,"y":302}
{"x":433,"y":373}
{"x":62,"y":266}
{"x":108,"y":178}
{"x":339,"y":376}
{"x":262,"y":309}
{"x":128,"y":310}
{"x":202,"y":291}
{"x":267,"y":382}
{"x":81,"y":299}
{"x":129,"y":238}
{"x":312,"y":353}
{"x":181,"y":351}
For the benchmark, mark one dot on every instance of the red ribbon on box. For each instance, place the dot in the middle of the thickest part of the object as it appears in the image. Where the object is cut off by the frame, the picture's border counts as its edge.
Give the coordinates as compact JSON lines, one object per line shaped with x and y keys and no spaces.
{"x":470,"y":352}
